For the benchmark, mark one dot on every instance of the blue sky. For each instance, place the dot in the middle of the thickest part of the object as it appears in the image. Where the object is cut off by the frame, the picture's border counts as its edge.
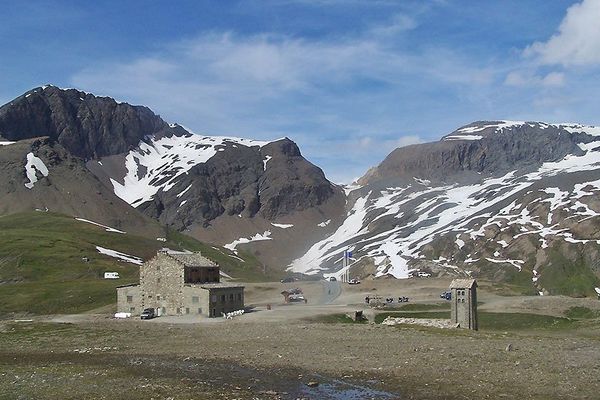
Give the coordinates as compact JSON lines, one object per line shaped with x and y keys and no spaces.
{"x":349,"y":81}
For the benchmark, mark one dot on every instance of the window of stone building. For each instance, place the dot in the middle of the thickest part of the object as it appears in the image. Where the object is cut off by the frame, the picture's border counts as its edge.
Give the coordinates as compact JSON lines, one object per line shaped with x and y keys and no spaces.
{"x":222,"y":297}
{"x":213,"y":298}
{"x":158,"y":280}
{"x":187,"y":310}
{"x":131,"y":309}
{"x":199,"y":311}
{"x":158,"y":267}
{"x":195,"y":299}
{"x":178,"y":310}
{"x":158,"y":297}
{"x":239,"y":296}
{"x":164,"y":311}
{"x":231,"y":297}
{"x":130,"y":299}
{"x":149,"y":296}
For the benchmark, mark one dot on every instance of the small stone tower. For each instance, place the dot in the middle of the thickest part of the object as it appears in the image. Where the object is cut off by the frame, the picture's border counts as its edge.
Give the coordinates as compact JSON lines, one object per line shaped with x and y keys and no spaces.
{"x":464,"y":303}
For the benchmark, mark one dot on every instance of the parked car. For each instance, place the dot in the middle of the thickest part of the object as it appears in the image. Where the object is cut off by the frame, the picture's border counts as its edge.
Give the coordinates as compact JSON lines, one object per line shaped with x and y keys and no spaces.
{"x":353,"y":281}
{"x":446,"y":295}
{"x":288,"y":279}
{"x":148,"y":313}
{"x":332,"y":279}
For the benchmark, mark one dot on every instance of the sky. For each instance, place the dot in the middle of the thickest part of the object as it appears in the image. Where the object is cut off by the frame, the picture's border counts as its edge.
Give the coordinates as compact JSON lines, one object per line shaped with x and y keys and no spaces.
{"x":349,"y":81}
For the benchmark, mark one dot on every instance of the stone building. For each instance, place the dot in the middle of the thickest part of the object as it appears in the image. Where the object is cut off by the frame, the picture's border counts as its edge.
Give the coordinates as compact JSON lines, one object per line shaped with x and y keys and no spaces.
{"x":464,"y":303}
{"x":178,"y":283}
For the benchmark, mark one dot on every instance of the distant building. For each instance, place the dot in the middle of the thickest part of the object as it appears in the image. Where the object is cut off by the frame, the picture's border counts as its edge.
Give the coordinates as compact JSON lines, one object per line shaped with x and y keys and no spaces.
{"x":464,"y":303}
{"x":178,"y":283}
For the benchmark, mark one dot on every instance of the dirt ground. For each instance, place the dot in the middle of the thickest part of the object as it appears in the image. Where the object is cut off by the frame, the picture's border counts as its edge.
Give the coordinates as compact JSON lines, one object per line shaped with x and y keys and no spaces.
{"x":277,"y":353}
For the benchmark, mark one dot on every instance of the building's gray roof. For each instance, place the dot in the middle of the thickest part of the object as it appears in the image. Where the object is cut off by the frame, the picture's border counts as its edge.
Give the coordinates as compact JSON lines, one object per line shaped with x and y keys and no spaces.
{"x":209,"y":286}
{"x":463,"y":284}
{"x":130,"y":285}
{"x":190,"y":259}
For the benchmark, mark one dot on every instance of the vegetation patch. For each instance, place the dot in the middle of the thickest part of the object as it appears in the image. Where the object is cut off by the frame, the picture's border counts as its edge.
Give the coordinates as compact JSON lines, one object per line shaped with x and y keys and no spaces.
{"x":581,"y":313}
{"x":489,"y":321}
{"x":49,"y":263}
{"x":570,"y":278}
{"x":421,"y":307}
{"x":335,"y":319}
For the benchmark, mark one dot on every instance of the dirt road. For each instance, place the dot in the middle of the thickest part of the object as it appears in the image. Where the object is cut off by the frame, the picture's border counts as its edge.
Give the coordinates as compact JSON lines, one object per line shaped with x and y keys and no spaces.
{"x":331,"y":291}
{"x":275,"y":354}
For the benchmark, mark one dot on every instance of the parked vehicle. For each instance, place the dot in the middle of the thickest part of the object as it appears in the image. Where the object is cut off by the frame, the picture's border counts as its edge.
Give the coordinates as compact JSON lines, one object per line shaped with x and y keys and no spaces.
{"x":332,"y":279}
{"x":446,"y":295}
{"x":288,"y":279}
{"x":148,"y":313}
{"x":354,"y":281}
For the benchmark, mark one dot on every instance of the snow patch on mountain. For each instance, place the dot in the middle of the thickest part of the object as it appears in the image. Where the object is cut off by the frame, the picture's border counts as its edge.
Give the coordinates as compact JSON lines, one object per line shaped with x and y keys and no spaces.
{"x":34,"y":165}
{"x":5,"y":143}
{"x":121,"y":256}
{"x":106,"y":228}
{"x":499,"y":125}
{"x":184,"y":190}
{"x":157,"y":164}
{"x":352,"y":227}
{"x":463,"y":137}
{"x":457,"y":209}
{"x":350,"y":188}
{"x":265,"y":161}
{"x":258,"y":237}
{"x":282,"y":226}
{"x":471,"y":132}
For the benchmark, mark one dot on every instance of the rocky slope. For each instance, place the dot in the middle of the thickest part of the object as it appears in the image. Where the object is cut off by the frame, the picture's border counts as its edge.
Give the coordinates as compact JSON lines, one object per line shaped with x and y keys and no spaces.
{"x":39,"y":174}
{"x":514,"y":201}
{"x":222,"y":189}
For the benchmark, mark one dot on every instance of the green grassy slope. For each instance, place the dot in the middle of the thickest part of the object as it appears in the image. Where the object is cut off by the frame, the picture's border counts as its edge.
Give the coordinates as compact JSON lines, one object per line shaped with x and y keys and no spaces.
{"x":42,"y":271}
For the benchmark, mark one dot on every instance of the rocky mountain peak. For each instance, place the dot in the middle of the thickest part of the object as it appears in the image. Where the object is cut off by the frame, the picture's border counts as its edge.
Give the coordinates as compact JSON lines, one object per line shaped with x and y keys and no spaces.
{"x":88,"y":126}
{"x":484,"y":147}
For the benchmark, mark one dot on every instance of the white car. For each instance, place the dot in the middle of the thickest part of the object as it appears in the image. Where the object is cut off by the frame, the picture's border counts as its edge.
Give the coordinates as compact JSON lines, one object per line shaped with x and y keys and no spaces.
{"x":353,"y":281}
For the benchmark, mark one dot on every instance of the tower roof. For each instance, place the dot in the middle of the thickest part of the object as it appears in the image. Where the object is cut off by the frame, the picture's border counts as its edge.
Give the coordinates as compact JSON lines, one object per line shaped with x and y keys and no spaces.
{"x":463,"y":284}
{"x":190,"y":259}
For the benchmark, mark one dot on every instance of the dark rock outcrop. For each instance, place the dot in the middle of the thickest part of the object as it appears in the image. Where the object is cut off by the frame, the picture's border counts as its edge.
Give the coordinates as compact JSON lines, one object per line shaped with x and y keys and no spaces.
{"x":497,"y":152}
{"x":239,"y":182}
{"x":86,"y":125}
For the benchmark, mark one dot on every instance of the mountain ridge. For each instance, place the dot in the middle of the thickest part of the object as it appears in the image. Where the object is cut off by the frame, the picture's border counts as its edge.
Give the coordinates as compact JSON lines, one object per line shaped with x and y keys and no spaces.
{"x":514,"y":201}
{"x":183,"y":180}
{"x":425,"y":211}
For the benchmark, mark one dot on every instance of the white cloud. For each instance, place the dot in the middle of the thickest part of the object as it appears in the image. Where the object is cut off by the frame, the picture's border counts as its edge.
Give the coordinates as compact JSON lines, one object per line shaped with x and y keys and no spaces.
{"x":529,"y":79}
{"x":577,"y":41}
{"x":399,"y":23}
{"x":267,"y":86}
{"x":554,"y":79}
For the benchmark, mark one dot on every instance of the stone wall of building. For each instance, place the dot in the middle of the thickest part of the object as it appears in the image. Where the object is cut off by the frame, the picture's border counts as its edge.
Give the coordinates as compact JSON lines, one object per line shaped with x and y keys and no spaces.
{"x":464,"y":307}
{"x":128,"y":299}
{"x":223,"y":299}
{"x":161,"y":285}
{"x":196,"y":300}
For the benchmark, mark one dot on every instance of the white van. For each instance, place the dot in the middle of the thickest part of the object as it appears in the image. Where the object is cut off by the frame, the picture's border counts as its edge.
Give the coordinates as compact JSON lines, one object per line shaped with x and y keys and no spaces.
{"x":111,"y":275}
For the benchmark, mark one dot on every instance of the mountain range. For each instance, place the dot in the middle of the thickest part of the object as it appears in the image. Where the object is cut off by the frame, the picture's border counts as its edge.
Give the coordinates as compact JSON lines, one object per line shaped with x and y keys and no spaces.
{"x":516,"y":202}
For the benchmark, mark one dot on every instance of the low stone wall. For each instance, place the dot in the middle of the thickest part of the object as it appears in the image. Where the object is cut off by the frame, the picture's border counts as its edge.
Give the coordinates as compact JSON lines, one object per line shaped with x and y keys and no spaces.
{"x":435,"y":323}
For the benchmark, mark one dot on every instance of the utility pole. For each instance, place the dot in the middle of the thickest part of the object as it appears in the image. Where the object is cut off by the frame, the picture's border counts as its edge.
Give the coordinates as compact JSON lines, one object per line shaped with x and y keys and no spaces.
{"x":344,"y":267}
{"x":345,"y":263}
